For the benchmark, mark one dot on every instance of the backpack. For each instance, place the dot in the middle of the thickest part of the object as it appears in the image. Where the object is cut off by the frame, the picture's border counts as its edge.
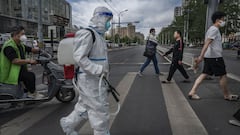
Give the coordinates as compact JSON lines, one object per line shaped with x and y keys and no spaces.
{"x":93,"y":35}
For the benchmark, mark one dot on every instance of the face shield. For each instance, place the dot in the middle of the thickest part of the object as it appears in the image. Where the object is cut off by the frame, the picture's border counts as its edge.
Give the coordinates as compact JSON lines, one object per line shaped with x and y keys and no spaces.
{"x":109,"y":17}
{"x":101,"y":20}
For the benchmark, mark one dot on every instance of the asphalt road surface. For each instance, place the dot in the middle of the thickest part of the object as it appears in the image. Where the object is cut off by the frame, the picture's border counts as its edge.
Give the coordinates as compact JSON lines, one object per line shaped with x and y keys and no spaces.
{"x":148,"y":107}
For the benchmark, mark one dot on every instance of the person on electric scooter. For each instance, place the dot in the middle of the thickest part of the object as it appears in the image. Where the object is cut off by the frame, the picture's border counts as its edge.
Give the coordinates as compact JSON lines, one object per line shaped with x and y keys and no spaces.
{"x":13,"y":62}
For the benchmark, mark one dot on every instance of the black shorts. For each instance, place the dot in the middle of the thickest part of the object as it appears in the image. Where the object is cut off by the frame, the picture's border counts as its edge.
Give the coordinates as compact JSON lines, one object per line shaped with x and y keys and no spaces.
{"x":214,"y":66}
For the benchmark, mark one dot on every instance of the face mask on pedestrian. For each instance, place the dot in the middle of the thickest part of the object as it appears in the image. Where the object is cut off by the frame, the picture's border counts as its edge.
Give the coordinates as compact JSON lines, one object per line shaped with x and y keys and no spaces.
{"x":23,"y":38}
{"x":175,"y":35}
{"x":222,"y":23}
{"x":154,"y":33}
{"x":108,"y":25}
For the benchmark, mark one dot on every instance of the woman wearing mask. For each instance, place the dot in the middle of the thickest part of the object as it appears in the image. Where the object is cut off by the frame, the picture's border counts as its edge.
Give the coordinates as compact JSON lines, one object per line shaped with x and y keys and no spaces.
{"x":150,"y":53}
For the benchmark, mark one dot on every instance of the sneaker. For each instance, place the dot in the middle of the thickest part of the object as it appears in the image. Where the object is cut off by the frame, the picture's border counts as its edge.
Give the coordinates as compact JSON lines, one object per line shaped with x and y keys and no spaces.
{"x":232,"y":97}
{"x":35,"y":95}
{"x":160,"y":74}
{"x":39,"y":96}
{"x":194,"y":97}
{"x":234,"y":122}
{"x":140,"y":74}
{"x":165,"y":82}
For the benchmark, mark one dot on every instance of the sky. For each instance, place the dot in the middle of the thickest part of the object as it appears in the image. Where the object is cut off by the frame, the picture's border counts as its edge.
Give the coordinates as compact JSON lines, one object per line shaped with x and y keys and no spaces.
{"x":150,"y":13}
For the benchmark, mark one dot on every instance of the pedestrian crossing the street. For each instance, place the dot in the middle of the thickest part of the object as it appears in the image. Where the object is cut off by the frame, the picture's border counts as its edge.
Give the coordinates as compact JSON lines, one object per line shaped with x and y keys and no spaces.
{"x":147,"y":106}
{"x":123,"y":88}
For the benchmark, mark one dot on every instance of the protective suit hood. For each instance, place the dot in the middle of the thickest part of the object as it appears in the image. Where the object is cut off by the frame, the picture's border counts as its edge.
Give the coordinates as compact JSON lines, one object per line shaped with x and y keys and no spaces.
{"x":101,"y":16}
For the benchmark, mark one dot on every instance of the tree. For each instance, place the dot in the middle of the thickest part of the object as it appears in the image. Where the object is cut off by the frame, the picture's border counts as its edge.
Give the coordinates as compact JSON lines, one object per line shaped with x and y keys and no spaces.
{"x":166,"y":34}
{"x":126,"y":40}
{"x":231,"y":8}
{"x":197,"y":20}
{"x":178,"y":23}
{"x":135,"y":39}
{"x":115,"y":38}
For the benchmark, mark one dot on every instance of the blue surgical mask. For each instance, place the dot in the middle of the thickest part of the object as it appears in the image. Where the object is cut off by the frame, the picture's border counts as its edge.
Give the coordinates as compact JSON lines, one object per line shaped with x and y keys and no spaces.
{"x":107,"y":25}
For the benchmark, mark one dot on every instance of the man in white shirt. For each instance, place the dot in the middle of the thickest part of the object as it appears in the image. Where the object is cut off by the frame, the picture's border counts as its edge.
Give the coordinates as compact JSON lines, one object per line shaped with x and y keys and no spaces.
{"x":213,"y":60}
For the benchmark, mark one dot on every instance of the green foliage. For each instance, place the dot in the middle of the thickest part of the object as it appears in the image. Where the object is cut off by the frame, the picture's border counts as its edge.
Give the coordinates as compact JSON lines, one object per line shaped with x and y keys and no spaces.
{"x":126,"y":40}
{"x":115,"y":38}
{"x":232,"y":9}
{"x":136,"y":40}
{"x":197,"y":19}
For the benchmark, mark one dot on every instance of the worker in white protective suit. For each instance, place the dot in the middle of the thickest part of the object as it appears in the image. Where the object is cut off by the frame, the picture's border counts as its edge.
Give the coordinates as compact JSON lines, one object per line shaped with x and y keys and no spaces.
{"x":91,"y":57}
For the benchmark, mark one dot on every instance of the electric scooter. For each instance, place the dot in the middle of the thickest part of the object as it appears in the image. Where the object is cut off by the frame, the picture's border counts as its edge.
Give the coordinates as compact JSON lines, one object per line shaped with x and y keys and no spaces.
{"x":53,"y":77}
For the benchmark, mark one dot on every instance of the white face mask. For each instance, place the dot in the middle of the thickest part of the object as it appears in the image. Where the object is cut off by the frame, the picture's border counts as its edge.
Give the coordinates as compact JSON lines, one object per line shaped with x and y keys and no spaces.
{"x":23,"y":38}
{"x":222,"y":23}
{"x":154,"y":33}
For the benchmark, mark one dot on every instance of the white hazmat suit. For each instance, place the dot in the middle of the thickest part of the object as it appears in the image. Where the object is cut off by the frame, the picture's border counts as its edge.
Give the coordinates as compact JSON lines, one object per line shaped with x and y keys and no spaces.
{"x":92,"y":59}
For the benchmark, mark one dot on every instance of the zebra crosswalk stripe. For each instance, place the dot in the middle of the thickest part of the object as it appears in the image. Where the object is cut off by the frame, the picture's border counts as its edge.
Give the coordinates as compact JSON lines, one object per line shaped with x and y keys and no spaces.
{"x":26,"y":120}
{"x":183,"y":120}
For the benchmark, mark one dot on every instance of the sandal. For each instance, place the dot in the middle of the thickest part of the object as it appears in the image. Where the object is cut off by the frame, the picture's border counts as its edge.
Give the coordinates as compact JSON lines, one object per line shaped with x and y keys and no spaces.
{"x":232,"y":98}
{"x":234,"y":122}
{"x":194,"y":97}
{"x":186,"y":81}
{"x":166,"y":82}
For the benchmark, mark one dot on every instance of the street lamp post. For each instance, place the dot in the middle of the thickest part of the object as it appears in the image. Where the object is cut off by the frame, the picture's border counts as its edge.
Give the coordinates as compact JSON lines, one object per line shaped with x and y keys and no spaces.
{"x":187,"y":34}
{"x":212,"y":6}
{"x":186,"y":26}
{"x":119,"y":23}
{"x":40,"y":36}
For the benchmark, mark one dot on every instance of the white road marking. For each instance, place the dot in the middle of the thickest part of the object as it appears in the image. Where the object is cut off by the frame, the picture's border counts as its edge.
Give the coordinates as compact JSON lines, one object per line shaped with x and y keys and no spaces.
{"x":39,"y":76}
{"x":233,"y":76}
{"x":165,"y":63}
{"x":123,"y":88}
{"x":28,"y":119}
{"x":117,"y":49}
{"x":183,"y":119}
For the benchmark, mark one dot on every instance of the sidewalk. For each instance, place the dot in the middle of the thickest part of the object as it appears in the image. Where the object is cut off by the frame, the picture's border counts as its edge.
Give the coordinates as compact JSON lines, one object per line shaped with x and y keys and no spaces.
{"x":120,"y":48}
